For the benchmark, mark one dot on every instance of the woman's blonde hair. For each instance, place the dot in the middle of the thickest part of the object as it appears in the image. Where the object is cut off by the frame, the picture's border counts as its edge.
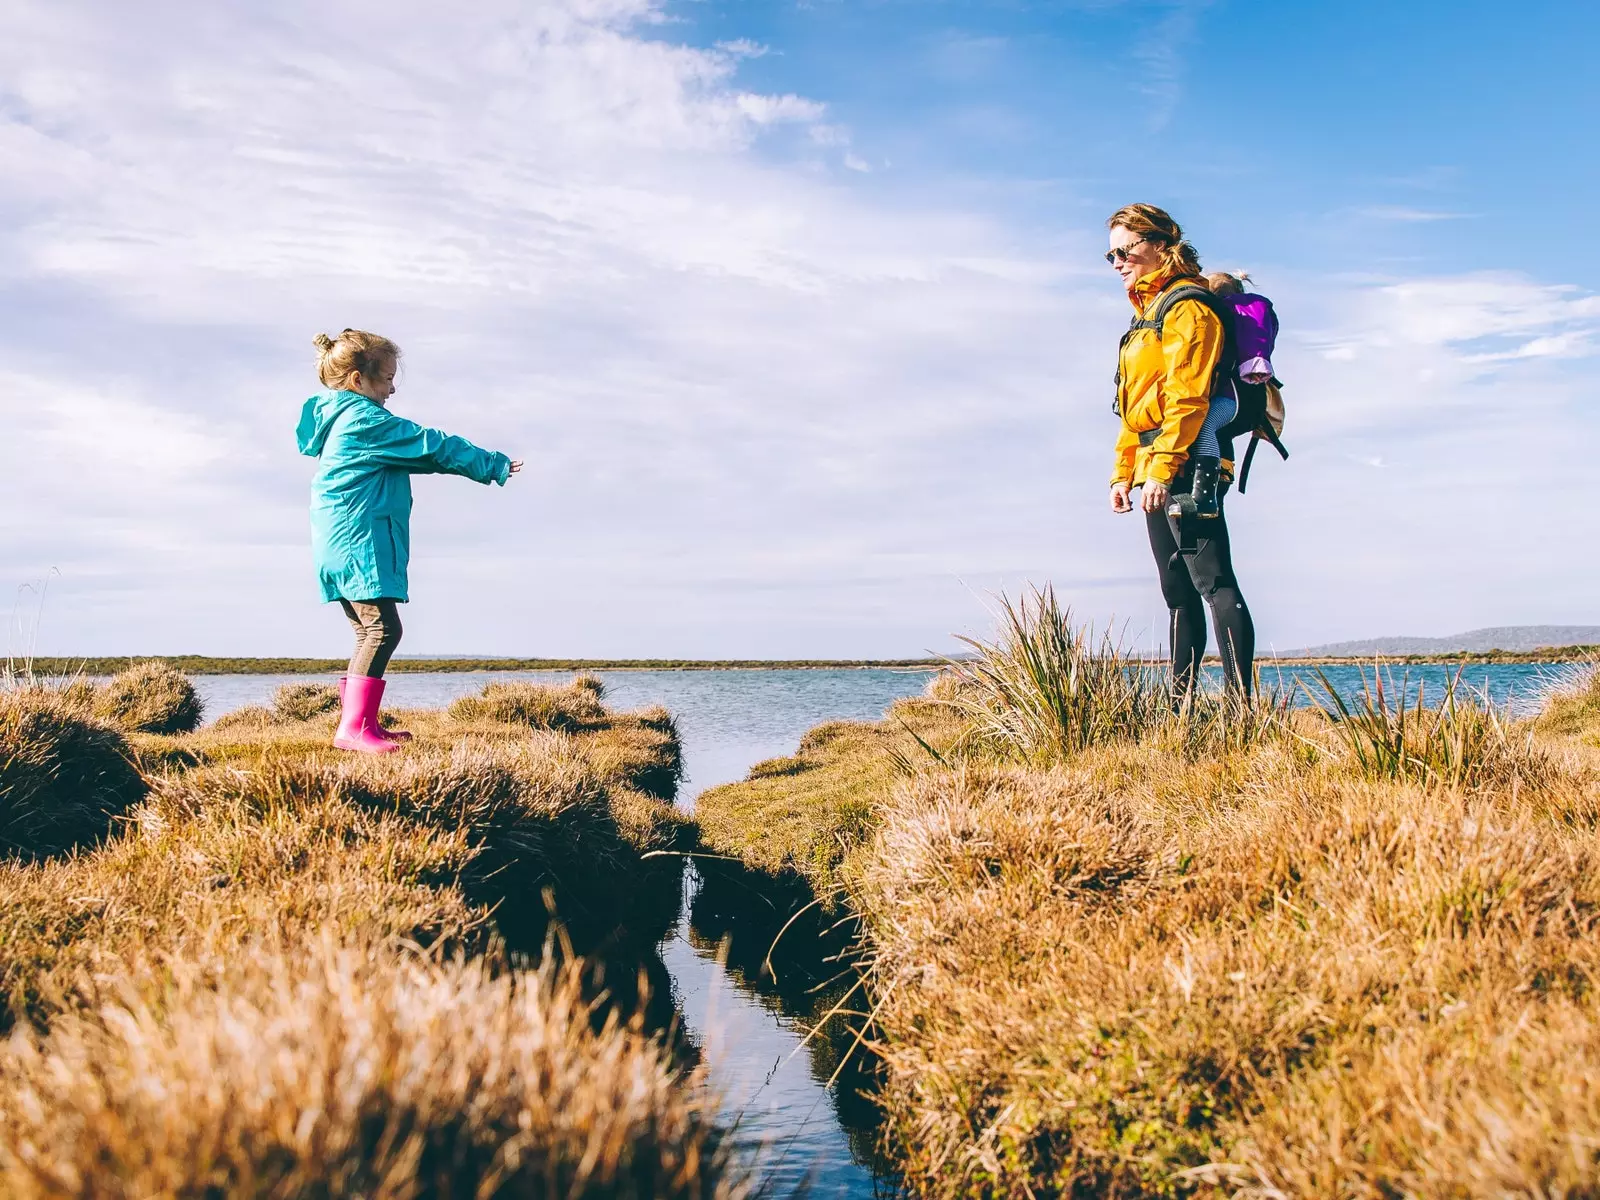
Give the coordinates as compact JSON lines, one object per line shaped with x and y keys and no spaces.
{"x":1225,"y":283}
{"x":1156,"y":226}
{"x":353,"y":350}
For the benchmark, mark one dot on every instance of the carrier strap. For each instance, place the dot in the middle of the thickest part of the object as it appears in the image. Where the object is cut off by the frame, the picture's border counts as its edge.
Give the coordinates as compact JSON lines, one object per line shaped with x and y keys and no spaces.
{"x":1259,"y":435}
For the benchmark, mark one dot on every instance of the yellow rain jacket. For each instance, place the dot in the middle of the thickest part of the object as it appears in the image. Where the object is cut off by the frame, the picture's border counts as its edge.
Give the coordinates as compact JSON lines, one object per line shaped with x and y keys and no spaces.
{"x":1166,"y":383}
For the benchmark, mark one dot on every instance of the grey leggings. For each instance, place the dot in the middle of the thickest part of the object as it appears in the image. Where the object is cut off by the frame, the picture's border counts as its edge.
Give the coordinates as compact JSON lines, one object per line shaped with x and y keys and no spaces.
{"x":377,"y":626}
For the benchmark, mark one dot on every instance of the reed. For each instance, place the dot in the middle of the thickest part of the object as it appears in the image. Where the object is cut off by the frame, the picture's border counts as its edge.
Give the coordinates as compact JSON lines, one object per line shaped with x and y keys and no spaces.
{"x":1463,"y":741}
{"x":1047,"y":688}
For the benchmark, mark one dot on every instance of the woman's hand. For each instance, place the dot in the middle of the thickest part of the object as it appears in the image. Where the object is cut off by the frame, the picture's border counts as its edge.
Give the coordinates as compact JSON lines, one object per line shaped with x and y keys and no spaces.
{"x":1154,"y":498}
{"x":516,"y":465}
{"x":1119,"y":498}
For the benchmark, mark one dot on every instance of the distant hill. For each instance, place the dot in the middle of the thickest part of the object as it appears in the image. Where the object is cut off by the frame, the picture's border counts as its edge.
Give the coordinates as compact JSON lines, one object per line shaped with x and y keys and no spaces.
{"x":1517,"y":639}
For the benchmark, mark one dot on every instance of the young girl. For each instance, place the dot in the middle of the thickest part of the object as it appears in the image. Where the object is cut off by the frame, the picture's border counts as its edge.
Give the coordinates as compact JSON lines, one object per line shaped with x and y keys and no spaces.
{"x":361,"y":509}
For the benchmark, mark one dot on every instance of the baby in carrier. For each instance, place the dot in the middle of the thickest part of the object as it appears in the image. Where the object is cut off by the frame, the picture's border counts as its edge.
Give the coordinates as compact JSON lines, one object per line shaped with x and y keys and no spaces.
{"x":1255,"y":332}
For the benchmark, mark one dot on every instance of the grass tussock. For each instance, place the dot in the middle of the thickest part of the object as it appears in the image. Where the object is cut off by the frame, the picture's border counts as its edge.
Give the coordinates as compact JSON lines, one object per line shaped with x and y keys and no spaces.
{"x":305,"y":701}
{"x":326,"y":1070}
{"x":149,"y":697}
{"x":64,"y":779}
{"x":536,"y":705}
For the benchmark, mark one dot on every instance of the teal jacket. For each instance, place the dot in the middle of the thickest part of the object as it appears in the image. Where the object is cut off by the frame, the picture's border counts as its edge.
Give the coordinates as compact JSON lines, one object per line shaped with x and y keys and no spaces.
{"x":361,"y":497}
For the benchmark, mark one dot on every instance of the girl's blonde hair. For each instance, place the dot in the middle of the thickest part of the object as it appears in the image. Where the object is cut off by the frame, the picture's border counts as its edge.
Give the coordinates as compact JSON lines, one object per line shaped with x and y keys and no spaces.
{"x":1157,"y":227}
{"x":353,"y":350}
{"x":1224,"y":283}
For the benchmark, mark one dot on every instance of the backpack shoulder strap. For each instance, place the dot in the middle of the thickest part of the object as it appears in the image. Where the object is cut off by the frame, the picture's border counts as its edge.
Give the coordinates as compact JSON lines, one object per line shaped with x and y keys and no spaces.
{"x":1157,"y":316}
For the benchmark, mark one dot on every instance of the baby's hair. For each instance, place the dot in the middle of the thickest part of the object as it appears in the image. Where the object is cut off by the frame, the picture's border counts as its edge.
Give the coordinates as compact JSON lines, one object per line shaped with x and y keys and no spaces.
{"x":1225,"y":284}
{"x":353,"y":350}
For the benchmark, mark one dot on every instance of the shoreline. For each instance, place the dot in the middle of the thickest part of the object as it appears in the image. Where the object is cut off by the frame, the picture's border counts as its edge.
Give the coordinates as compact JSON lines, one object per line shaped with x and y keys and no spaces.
{"x":195,"y":664}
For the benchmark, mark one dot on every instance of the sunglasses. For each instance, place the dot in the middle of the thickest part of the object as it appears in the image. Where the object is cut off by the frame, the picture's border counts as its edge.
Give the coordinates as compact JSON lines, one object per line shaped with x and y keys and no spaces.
{"x":1120,"y":254}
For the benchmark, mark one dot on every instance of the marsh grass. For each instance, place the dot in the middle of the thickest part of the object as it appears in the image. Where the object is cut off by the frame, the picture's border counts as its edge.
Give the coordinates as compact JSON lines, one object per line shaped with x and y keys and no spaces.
{"x":346,"y":1070}
{"x":1048,"y":688}
{"x":1464,"y":740}
{"x":290,"y":971}
{"x":1115,"y":949}
{"x":65,"y":779}
{"x":536,"y":705}
{"x":149,"y":697}
{"x":305,"y":700}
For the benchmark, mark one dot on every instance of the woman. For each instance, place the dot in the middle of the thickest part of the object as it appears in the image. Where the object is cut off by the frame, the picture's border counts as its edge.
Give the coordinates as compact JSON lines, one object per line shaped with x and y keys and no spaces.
{"x":1166,"y":378}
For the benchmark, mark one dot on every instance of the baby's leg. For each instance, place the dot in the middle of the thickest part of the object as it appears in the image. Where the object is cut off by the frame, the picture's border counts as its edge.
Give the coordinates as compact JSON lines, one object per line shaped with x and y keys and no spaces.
{"x":1218,"y":414}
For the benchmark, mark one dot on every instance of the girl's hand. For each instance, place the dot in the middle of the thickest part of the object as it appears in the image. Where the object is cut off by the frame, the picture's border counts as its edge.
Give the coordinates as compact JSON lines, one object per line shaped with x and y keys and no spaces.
{"x":1119,"y":498}
{"x":516,"y":465}
{"x":1155,"y":496}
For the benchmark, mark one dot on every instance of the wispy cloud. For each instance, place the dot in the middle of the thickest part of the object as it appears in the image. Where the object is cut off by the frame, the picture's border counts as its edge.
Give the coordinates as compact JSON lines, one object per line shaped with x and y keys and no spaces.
{"x":1406,"y":215}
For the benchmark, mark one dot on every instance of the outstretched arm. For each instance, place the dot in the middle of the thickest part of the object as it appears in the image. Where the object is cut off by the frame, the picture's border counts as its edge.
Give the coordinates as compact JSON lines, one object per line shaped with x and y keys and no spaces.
{"x":397,"y":442}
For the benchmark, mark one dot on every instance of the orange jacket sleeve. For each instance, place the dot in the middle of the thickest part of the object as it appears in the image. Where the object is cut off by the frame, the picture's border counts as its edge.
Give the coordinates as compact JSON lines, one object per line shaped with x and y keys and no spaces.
{"x":1127,"y":454}
{"x":1191,"y":344}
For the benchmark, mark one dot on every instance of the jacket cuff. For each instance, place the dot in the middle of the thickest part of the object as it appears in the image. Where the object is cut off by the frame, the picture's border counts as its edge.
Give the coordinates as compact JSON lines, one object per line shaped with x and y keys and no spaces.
{"x":1255,"y":366}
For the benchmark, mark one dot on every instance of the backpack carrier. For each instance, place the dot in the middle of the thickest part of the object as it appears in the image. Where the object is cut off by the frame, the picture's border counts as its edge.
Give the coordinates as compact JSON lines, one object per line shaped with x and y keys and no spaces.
{"x":1261,"y":409}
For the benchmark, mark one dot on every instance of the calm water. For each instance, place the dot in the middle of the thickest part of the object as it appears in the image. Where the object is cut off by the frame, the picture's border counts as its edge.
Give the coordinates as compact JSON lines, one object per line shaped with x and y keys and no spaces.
{"x":730,"y":720}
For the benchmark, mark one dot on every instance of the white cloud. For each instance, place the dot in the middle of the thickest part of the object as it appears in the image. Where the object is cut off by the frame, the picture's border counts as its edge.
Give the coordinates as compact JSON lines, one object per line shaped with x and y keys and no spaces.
{"x":766,"y":410}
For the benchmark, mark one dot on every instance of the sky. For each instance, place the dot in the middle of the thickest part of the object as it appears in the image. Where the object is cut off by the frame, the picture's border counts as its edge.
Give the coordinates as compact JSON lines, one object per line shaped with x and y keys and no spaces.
{"x":794,"y":308}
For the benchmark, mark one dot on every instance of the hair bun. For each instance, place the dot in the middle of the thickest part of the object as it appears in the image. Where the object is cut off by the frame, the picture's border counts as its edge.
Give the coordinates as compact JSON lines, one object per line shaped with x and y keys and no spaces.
{"x":323,"y":343}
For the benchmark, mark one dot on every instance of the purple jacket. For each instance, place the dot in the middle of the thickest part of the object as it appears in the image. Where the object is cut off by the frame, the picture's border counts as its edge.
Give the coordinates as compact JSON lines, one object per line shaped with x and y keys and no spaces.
{"x":1255,"y":331}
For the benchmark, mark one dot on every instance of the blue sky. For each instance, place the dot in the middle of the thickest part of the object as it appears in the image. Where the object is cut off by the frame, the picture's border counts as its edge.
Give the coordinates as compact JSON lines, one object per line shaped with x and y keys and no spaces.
{"x":794,"y":309}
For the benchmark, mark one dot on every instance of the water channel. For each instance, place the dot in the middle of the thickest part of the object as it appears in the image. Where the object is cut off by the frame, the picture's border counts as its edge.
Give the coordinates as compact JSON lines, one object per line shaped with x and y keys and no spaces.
{"x":808,"y":1139}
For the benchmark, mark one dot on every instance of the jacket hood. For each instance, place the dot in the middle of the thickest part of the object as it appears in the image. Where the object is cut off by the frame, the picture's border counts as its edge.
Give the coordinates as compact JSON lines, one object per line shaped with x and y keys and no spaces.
{"x":318,"y":415}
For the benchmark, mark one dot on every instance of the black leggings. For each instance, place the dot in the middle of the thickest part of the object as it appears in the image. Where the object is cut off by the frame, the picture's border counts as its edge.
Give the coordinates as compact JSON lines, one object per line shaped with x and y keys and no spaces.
{"x":1206,"y":575}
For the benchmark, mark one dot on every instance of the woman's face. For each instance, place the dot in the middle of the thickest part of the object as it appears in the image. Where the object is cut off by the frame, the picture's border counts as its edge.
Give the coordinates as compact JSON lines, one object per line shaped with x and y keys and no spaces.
{"x":1133,"y":255}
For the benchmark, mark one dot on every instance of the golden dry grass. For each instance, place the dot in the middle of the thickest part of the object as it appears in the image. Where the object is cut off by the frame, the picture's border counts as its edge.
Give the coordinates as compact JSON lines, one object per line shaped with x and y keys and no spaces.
{"x":149,"y":697}
{"x":337,"y":1070}
{"x":1213,"y":965}
{"x":64,"y":778}
{"x":802,"y":815}
{"x":257,"y":986}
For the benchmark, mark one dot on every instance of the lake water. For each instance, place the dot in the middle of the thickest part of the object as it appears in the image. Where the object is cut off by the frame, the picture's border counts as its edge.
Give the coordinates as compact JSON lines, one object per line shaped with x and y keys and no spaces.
{"x":772,"y":1084}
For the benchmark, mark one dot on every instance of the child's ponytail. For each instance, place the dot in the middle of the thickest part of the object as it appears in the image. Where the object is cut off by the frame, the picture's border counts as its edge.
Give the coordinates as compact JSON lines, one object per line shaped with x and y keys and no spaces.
{"x":352,"y":351}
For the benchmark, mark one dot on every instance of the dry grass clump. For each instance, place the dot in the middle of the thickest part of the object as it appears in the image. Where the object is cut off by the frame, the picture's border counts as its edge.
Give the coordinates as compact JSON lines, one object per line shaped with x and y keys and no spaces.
{"x":806,"y":813}
{"x":149,"y":697}
{"x":535,"y":704}
{"x":327,"y":1071}
{"x":64,"y":779}
{"x":305,"y":701}
{"x":1573,"y":707}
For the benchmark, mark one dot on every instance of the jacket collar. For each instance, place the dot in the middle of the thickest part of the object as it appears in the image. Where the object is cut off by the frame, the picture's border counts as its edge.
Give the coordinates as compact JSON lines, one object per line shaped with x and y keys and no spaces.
{"x":1148,"y":287}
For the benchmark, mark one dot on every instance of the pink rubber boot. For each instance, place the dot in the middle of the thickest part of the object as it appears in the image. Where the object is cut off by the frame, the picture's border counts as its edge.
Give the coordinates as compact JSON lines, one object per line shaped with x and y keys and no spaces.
{"x":358,"y":721}
{"x":393,"y":735}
